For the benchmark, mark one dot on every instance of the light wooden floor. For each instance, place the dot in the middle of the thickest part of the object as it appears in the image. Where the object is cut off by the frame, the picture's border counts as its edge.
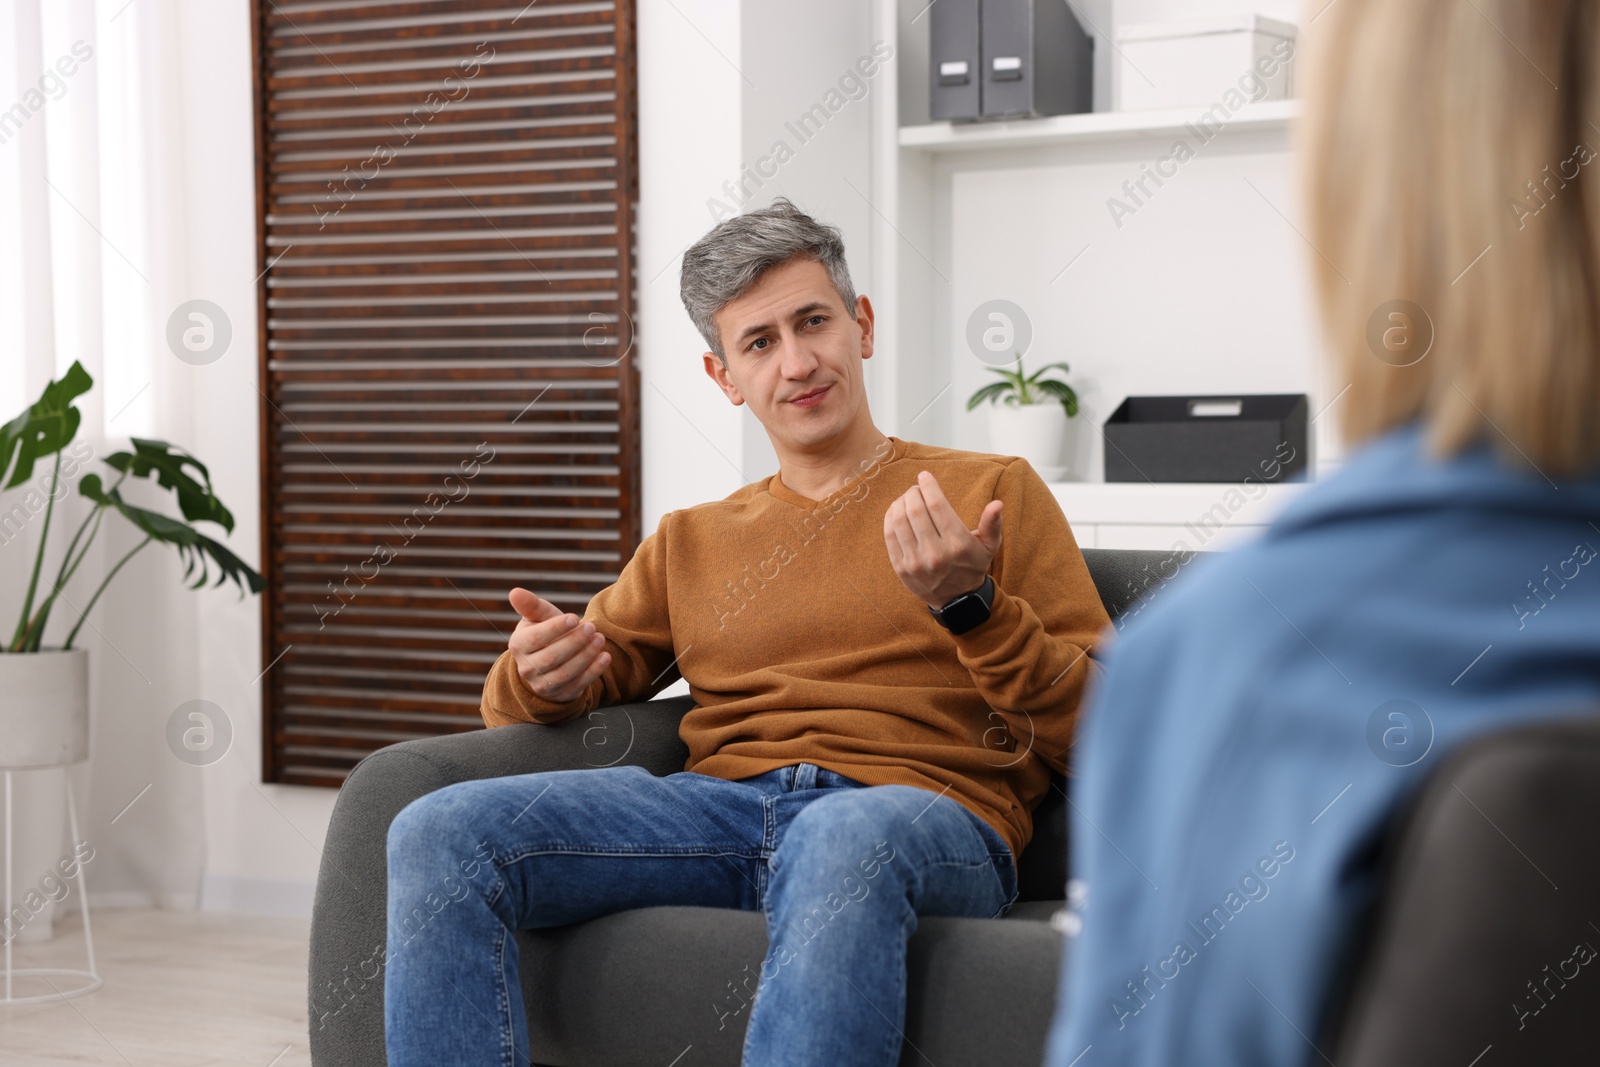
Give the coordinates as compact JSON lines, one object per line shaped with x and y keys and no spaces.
{"x":182,"y":989}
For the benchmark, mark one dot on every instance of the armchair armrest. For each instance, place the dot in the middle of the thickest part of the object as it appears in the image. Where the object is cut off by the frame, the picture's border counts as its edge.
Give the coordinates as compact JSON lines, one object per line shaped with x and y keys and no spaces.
{"x":349,"y":913}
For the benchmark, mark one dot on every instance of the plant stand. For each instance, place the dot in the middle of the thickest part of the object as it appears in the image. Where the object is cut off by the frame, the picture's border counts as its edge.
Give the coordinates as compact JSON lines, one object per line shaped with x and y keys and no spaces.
{"x":92,"y":976}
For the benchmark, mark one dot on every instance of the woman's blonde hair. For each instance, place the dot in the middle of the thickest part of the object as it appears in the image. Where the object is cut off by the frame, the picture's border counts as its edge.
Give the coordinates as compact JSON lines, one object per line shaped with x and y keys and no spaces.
{"x":1446,"y":155}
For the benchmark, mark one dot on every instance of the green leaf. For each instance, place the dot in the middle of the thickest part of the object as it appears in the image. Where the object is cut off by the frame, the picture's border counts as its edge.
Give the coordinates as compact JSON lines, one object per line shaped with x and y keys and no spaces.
{"x":229,"y":566}
{"x":1062,"y":392}
{"x":1014,"y":376}
{"x":193,"y":547}
{"x":198,"y":502}
{"x":45,"y":428}
{"x":990,"y":392}
{"x":1049,"y":366}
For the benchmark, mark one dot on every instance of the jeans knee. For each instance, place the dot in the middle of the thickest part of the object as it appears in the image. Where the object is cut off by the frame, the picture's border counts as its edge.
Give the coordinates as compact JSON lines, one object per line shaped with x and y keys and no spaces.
{"x":839,"y":839}
{"x":436,"y":833}
{"x":417,"y":824}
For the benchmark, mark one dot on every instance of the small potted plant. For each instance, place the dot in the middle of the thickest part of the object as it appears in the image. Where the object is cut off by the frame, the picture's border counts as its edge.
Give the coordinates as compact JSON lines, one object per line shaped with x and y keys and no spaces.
{"x":1033,"y":422}
{"x":44,"y":713}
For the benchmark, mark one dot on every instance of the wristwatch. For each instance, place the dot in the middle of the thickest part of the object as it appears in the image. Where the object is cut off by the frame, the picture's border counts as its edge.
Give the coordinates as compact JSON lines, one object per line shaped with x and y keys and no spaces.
{"x":968,"y":610}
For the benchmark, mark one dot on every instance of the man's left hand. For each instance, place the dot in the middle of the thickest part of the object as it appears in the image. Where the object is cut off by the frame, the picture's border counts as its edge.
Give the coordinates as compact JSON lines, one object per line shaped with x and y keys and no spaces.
{"x":932,"y":550}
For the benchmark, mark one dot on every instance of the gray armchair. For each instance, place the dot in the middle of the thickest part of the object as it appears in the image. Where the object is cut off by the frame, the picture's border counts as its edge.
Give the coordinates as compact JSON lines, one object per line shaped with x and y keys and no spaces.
{"x":1460,"y":929}
{"x":643,"y":986}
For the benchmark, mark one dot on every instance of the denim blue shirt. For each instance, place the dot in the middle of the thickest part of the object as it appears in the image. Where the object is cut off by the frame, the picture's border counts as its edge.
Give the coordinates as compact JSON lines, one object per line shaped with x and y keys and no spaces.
{"x":1261,"y":721}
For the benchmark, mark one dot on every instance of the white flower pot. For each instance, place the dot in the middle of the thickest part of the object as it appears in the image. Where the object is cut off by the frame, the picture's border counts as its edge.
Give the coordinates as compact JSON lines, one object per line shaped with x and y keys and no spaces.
{"x":1033,"y":431}
{"x":44,"y":713}
{"x":44,"y":725}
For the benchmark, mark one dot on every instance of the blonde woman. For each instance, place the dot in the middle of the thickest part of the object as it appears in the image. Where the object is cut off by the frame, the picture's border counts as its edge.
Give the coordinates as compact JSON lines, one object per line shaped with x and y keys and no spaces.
{"x":1261,"y":722}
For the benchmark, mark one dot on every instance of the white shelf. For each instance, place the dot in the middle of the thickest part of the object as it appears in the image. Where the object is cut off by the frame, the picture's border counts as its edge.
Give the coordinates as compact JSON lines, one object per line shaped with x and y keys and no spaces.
{"x":1174,"y":503}
{"x":1098,"y":126}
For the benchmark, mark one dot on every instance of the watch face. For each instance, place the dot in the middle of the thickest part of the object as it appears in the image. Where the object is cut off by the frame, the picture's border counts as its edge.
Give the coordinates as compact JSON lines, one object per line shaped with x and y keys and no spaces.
{"x":966,"y":611}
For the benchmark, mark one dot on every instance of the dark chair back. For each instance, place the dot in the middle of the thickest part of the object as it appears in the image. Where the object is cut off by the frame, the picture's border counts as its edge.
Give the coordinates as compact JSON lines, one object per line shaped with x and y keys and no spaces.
{"x":1122,"y":577}
{"x":1484,"y":933}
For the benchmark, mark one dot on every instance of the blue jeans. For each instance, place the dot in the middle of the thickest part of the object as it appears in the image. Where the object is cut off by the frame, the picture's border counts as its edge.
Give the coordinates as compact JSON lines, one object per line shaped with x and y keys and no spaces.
{"x":841,"y":869}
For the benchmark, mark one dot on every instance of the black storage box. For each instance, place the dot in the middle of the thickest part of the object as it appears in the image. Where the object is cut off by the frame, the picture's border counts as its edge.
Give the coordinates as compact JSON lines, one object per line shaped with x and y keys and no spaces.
{"x":1207,"y":439}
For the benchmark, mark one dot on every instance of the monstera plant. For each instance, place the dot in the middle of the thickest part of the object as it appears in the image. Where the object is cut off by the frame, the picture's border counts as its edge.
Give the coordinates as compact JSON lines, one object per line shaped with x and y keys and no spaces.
{"x":45,"y":430}
{"x":44,"y":716}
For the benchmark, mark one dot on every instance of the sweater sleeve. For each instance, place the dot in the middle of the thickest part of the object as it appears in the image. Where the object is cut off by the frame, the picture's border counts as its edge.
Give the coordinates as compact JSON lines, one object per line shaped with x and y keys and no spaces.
{"x":631,"y":614}
{"x":1031,"y":659}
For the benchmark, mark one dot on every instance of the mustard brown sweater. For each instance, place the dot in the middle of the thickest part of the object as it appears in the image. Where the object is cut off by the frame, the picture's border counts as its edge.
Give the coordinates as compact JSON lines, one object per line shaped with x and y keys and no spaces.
{"x":801,"y":644}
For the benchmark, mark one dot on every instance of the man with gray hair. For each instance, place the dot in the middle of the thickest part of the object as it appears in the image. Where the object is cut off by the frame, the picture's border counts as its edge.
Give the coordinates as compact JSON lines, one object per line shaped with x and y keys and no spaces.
{"x":882,"y":689}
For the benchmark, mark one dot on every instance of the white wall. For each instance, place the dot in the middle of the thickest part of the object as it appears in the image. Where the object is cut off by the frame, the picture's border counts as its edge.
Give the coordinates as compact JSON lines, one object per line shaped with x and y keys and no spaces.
{"x":262,"y":841}
{"x":690,"y":89}
{"x":722,"y":87}
{"x":829,"y":174}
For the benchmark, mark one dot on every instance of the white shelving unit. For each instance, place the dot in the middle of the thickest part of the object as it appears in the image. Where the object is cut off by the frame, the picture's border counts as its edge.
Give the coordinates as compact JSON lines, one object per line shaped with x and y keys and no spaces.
{"x":1196,"y":517}
{"x":1198,"y":290}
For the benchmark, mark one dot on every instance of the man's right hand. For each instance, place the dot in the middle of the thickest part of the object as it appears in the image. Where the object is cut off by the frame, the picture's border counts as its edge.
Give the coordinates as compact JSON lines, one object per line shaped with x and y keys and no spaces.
{"x":557,"y":657}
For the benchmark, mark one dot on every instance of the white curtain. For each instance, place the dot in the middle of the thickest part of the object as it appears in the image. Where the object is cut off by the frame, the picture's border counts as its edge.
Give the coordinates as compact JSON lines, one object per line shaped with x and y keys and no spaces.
{"x":83,"y":192}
